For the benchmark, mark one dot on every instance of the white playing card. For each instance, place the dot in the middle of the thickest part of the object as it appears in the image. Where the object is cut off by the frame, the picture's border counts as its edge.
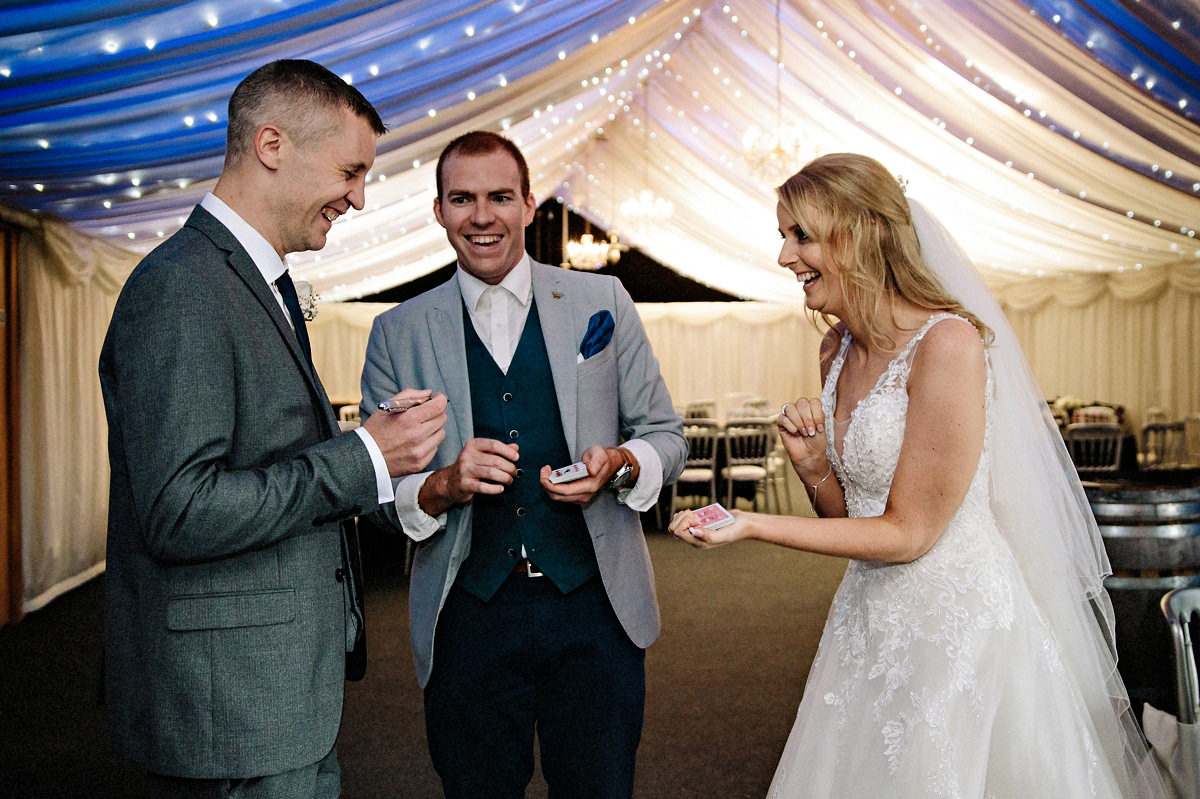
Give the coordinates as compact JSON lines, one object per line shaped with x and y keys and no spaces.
{"x":566,"y":474}
{"x":713,"y":516}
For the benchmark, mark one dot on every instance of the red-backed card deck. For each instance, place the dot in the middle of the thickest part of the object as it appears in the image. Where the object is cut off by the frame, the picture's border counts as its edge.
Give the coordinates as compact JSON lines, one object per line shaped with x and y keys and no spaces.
{"x":713,"y":516}
{"x":566,"y":474}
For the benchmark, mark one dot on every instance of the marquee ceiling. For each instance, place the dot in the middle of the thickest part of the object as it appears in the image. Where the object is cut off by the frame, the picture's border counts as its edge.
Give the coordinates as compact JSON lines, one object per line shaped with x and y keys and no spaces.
{"x":1050,"y":135}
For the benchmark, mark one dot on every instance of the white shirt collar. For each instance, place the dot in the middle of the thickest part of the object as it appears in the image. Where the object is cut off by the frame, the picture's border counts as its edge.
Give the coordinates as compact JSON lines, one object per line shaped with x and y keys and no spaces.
{"x":260,"y":250}
{"x":518,"y":282}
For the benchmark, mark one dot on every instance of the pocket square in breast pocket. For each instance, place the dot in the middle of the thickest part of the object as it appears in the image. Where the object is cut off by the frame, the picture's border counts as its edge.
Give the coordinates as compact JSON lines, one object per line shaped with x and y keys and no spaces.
{"x":599,"y":333}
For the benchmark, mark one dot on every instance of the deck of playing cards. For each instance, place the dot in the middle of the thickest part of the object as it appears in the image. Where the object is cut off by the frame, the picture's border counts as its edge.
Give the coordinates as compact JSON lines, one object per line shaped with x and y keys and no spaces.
{"x":713,"y":516}
{"x":566,"y":474}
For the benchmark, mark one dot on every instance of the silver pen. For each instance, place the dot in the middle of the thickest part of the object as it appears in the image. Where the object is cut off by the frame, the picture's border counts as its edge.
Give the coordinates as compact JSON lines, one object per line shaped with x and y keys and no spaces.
{"x":400,"y":405}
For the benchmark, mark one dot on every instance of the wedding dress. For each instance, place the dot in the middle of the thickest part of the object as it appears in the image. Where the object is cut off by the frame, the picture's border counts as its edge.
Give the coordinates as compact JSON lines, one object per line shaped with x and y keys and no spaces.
{"x":987,"y":667}
{"x":939,"y":677}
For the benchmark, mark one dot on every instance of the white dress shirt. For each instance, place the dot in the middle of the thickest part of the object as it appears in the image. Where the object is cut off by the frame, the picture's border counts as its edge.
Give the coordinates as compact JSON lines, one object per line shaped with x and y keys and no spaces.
{"x":498,"y":314}
{"x":271,"y":266}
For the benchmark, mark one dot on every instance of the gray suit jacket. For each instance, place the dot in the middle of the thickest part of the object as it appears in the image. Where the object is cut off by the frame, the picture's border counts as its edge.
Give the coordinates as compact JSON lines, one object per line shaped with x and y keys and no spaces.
{"x":614,"y":395}
{"x":225,"y":646}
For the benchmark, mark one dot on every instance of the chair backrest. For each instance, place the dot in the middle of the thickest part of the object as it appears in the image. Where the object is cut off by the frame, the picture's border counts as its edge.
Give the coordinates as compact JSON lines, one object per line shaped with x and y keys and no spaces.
{"x":1178,"y":606}
{"x":1163,"y":445}
{"x":748,"y":442}
{"x":1191,"y":434}
{"x":1094,"y":447}
{"x":1095,"y":414}
{"x":348,"y":413}
{"x":700,"y":409}
{"x":702,"y":436}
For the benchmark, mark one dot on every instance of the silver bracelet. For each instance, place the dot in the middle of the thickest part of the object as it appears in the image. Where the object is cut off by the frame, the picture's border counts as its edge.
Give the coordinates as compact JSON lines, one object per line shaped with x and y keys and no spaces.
{"x":817,"y":484}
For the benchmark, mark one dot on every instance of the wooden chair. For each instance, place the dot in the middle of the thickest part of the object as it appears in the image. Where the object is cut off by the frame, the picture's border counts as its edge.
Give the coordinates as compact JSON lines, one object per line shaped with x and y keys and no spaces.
{"x":1191,"y":435}
{"x":1163,"y":445}
{"x":1094,"y":448}
{"x":1178,"y":607}
{"x":700,"y":409}
{"x":747,"y":451}
{"x":1094,"y":414}
{"x":700,"y":468}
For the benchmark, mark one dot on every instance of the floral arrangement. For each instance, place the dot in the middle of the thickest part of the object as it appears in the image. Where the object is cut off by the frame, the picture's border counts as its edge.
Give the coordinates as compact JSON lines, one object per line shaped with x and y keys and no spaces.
{"x":308,"y":299}
{"x":1068,"y":404}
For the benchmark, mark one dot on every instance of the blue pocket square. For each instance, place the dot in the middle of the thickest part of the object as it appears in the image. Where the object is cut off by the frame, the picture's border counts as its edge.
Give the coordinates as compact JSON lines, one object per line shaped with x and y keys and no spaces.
{"x":599,"y":333}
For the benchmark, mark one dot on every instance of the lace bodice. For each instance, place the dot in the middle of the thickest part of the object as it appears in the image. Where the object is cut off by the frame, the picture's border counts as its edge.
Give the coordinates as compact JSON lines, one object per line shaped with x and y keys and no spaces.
{"x":912,"y":641}
{"x":865,"y":460}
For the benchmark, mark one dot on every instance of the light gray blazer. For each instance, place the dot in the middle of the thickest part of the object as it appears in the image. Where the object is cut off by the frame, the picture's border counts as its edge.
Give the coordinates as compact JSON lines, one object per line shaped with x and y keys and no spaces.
{"x":615,"y":395}
{"x":225,"y":640}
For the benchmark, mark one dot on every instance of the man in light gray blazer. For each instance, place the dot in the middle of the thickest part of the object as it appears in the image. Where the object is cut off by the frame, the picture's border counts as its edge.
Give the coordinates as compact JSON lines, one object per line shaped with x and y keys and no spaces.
{"x":531,"y":600}
{"x":233,"y":595}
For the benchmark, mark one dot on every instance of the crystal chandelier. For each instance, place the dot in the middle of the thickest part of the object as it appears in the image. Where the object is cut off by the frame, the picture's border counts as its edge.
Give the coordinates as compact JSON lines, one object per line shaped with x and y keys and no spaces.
{"x":589,"y":254}
{"x":774,"y":157}
{"x":645,"y":205}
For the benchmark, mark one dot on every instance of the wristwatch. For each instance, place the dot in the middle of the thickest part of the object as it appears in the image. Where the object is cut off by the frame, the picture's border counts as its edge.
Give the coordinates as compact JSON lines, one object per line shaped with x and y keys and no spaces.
{"x":621,"y":476}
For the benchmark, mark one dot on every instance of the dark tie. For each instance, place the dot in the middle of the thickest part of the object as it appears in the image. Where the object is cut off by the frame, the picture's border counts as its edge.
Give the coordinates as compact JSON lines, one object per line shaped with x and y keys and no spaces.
{"x":287,"y":290}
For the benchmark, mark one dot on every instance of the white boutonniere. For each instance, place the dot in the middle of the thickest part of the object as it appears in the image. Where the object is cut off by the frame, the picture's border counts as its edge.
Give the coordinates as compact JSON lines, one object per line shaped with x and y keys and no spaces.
{"x":308,"y":299}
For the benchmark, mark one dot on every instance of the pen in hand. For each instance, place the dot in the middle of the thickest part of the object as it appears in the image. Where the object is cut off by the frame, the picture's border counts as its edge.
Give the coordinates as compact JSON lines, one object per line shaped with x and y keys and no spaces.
{"x":400,"y":405}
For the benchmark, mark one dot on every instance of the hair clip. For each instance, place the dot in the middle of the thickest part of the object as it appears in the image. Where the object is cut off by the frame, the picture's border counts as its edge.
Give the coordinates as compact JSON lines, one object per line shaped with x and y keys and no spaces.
{"x":903,"y":181}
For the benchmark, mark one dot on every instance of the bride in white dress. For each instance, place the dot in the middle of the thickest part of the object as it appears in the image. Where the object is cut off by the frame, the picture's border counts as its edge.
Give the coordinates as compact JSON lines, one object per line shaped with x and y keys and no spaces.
{"x":968,"y":651}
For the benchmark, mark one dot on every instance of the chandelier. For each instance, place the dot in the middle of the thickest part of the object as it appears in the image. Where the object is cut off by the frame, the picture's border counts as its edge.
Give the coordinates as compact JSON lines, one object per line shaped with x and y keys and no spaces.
{"x":645,"y":205}
{"x":588,"y":254}
{"x":774,"y":157}
{"x":645,"y":209}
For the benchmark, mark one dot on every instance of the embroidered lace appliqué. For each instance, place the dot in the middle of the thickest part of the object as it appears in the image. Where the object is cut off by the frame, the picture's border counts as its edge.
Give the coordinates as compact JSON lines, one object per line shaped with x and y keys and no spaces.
{"x":892,"y":623}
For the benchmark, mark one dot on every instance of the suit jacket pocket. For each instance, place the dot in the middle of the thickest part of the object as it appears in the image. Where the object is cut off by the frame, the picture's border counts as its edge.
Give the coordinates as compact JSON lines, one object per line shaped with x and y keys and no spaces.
{"x":600,"y":361}
{"x":241,"y":609}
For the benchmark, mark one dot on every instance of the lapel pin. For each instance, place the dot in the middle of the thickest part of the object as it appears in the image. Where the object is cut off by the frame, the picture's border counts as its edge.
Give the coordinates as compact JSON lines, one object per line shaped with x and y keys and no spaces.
{"x":557,"y":295}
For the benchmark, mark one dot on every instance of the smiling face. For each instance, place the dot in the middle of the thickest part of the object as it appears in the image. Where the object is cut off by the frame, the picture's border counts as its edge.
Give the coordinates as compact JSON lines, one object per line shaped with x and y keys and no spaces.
{"x":321,"y":179}
{"x":806,"y":259}
{"x":484,"y":212}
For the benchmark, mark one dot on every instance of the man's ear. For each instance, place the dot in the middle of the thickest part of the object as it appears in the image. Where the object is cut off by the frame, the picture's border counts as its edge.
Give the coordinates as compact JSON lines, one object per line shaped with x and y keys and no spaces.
{"x":268,"y":144}
{"x":437,"y":210}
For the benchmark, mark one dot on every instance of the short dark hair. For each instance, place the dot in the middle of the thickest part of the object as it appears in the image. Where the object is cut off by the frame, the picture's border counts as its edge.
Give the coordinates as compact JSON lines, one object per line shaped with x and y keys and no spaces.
{"x":295,"y":94}
{"x":482,"y":142}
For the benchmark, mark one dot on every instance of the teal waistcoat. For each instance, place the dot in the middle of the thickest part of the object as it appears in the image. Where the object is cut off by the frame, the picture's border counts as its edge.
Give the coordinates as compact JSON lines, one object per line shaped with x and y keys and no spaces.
{"x":521,"y":407}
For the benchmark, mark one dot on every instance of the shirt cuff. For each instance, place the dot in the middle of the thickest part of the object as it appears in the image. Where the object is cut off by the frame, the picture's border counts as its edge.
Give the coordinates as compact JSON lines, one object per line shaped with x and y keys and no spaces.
{"x":383,"y":480}
{"x":644,"y":493}
{"x":416,"y":523}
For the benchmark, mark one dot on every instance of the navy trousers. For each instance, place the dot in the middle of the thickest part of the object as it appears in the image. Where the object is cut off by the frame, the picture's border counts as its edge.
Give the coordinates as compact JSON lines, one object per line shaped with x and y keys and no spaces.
{"x":534,"y":661}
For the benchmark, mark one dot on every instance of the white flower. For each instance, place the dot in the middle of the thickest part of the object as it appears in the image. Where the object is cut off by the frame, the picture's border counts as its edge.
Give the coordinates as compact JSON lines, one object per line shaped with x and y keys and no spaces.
{"x":308,"y":299}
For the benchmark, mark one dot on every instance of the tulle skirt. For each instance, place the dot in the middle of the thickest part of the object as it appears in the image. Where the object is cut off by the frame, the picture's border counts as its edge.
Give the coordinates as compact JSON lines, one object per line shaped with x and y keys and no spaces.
{"x":932,"y":681}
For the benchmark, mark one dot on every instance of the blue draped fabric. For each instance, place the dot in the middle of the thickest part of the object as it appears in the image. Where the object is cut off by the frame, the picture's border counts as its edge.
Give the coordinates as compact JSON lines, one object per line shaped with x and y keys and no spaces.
{"x":112,"y":114}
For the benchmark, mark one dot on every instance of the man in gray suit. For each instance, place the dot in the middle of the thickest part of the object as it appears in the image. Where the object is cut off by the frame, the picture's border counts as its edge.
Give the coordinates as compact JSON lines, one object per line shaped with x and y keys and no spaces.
{"x":537,"y":597}
{"x":234,"y":607}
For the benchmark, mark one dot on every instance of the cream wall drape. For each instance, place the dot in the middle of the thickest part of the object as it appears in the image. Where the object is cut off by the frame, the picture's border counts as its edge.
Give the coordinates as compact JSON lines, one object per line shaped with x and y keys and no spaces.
{"x":67,"y":286}
{"x":1131,"y":339}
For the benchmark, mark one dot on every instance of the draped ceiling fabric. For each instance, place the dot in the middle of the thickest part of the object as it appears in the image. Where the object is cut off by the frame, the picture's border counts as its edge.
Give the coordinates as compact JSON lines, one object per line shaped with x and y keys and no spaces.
{"x":1049,"y":136}
{"x":1057,"y":139}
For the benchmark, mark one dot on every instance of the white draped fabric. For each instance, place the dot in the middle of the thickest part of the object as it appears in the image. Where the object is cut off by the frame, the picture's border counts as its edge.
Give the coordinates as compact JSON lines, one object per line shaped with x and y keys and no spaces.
{"x":1049,"y":136}
{"x":1130,"y":338}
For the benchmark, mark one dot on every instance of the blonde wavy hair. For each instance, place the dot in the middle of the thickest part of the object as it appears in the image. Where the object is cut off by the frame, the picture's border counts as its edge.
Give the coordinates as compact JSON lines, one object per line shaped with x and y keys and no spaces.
{"x":855,"y":208}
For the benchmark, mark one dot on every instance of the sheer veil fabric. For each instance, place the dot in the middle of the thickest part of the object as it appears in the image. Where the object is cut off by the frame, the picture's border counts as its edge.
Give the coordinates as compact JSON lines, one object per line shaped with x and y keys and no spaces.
{"x":1044,"y":516}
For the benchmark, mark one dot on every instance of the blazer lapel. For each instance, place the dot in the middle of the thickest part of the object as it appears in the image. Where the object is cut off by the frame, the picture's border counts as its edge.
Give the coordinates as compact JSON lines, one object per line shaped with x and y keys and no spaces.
{"x":447,"y":342}
{"x":243,"y":265}
{"x":556,"y":310}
